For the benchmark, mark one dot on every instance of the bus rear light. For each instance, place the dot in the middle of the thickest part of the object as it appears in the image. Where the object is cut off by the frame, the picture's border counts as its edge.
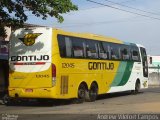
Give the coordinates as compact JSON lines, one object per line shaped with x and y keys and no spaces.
{"x":53,"y":70}
{"x":53,"y":74}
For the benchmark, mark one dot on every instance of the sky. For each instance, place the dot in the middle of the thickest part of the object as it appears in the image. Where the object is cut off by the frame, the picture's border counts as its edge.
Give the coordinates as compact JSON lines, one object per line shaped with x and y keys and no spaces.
{"x":139,"y":25}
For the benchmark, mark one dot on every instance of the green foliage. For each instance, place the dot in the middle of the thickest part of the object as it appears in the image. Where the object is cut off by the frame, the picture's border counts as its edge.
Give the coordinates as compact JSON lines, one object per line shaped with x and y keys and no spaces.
{"x":13,"y":12}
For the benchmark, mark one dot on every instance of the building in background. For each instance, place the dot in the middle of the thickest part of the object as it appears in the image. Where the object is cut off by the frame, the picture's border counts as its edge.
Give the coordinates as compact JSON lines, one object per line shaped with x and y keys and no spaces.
{"x":153,"y":63}
{"x":4,"y":69}
{"x":4,"y":41}
{"x":4,"y":50}
{"x":8,"y":32}
{"x":154,"y":70}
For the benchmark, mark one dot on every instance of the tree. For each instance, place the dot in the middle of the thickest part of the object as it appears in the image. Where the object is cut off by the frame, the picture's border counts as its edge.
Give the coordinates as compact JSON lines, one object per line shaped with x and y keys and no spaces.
{"x":13,"y":12}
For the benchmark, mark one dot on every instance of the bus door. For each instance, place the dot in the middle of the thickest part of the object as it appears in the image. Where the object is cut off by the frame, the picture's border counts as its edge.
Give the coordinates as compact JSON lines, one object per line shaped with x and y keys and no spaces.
{"x":144,"y":62}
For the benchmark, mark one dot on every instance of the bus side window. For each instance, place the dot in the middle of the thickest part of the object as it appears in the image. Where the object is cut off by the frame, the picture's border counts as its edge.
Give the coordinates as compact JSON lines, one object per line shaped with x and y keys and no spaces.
{"x":65,"y":46}
{"x":125,"y":53}
{"x":91,"y":49}
{"x":115,"y":51}
{"x":102,"y":52}
{"x":78,"y":47}
{"x":62,"y":46}
{"x":105,"y":46}
{"x":68,"y":44}
{"x":135,"y":54}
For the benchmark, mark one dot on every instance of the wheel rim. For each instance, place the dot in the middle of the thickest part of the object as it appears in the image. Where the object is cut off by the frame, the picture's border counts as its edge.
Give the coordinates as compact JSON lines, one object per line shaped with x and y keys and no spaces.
{"x":81,"y":93}
{"x":5,"y":99}
{"x":93,"y":92}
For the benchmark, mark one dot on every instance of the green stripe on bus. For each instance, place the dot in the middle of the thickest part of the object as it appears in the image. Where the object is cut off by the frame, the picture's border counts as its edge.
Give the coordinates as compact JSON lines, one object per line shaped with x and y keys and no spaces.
{"x":120,"y":73}
{"x":126,"y":74}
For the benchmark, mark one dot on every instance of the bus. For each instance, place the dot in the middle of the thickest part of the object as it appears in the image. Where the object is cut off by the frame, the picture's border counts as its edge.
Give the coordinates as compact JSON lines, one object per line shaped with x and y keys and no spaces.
{"x":54,"y":64}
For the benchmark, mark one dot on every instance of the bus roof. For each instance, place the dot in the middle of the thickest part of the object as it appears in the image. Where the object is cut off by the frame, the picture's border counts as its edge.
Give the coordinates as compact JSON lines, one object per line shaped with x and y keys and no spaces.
{"x":139,"y":45}
{"x":85,"y":35}
{"x":89,"y":36}
{"x":92,"y":36}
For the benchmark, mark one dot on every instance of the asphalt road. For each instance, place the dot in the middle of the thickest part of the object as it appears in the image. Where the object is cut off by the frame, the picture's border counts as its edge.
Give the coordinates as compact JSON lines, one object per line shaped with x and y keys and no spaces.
{"x":146,"y":102}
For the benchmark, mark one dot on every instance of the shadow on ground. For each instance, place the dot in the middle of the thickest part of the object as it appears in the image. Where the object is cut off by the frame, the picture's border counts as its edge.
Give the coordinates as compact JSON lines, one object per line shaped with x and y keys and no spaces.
{"x":59,"y":102}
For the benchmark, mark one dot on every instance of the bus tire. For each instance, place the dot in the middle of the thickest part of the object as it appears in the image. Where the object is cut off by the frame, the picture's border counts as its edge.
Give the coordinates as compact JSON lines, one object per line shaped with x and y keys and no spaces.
{"x":92,"y":93}
{"x":81,"y":93}
{"x":137,"y":87}
{"x":6,"y":100}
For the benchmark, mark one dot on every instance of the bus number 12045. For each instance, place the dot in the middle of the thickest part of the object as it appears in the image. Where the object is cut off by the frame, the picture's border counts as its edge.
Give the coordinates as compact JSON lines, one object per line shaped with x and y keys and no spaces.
{"x":68,"y":65}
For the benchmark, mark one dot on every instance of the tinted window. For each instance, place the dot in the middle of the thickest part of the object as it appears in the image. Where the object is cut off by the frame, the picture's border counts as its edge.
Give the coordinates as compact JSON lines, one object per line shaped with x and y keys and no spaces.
{"x":65,"y":46}
{"x":115,"y":51}
{"x":91,"y":49}
{"x":85,"y":48}
{"x":135,"y":53}
{"x":62,"y":46}
{"x":78,"y":47}
{"x":106,"y":48}
{"x":102,"y":52}
{"x":125,"y":53}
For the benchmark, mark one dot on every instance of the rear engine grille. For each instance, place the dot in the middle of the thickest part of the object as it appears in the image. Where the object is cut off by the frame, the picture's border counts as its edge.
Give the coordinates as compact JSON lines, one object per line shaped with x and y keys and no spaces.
{"x":64,"y":84}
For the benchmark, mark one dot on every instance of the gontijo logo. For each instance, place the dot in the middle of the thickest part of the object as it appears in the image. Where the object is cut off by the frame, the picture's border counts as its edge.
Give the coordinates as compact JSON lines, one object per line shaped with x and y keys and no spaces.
{"x":29,"y":39}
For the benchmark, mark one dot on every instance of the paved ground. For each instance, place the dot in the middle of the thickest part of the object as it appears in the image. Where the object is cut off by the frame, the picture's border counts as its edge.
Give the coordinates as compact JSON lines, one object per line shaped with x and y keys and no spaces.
{"x":147,"y":101}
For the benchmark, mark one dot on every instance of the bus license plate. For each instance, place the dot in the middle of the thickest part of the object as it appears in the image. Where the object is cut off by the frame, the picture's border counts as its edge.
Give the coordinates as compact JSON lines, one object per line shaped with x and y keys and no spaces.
{"x":29,"y":90}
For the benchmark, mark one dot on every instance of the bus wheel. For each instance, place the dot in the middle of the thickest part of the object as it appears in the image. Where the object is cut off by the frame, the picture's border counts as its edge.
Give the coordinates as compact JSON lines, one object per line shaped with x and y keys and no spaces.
{"x":7,"y":100}
{"x":81,"y":93}
{"x":137,"y":87}
{"x":92,"y":93}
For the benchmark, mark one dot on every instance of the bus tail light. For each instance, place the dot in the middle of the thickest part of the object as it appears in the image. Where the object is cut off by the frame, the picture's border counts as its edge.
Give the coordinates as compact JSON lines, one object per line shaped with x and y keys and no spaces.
{"x":53,"y":74}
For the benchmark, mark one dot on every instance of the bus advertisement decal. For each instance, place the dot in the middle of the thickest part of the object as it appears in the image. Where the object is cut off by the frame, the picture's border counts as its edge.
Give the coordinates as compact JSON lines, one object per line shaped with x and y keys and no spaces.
{"x":100,"y":66}
{"x":30,"y":58}
{"x":29,"y":39}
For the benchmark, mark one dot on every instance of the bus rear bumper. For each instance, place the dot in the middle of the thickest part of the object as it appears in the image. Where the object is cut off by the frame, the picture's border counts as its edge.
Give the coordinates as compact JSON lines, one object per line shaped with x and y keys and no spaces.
{"x":35,"y":93}
{"x":32,"y":93}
